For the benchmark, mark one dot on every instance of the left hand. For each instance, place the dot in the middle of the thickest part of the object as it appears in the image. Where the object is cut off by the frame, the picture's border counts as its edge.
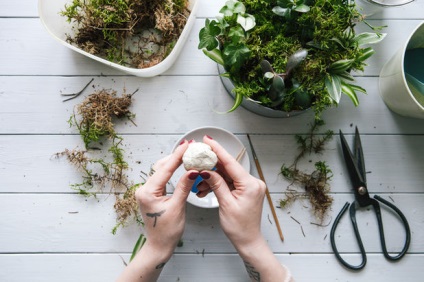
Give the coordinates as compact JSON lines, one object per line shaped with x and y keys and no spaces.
{"x":164,"y":216}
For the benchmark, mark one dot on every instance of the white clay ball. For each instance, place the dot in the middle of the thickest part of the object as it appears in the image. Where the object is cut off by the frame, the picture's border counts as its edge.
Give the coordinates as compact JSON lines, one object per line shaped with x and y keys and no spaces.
{"x":199,"y":156}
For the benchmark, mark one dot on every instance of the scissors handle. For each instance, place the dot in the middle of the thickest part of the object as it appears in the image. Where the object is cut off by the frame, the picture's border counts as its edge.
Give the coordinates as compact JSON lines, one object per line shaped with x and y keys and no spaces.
{"x":381,"y":230}
{"x":357,"y":235}
{"x":376,"y":206}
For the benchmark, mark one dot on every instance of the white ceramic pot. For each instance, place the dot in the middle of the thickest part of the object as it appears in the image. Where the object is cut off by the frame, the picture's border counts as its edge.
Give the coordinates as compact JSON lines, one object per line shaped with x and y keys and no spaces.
{"x":59,"y":28}
{"x":393,"y":85}
{"x":370,"y":7}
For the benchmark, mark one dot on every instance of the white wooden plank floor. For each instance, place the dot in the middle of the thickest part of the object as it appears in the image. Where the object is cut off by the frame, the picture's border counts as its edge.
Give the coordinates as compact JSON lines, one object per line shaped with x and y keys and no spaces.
{"x":49,"y":233}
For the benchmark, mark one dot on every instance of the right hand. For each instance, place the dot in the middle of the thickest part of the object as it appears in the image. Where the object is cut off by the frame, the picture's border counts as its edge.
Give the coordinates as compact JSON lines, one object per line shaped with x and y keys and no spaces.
{"x":240,"y":196}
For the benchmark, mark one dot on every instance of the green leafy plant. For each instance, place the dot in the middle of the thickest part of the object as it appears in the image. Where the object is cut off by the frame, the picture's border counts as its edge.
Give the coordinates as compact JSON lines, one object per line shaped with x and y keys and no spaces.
{"x":290,"y":54}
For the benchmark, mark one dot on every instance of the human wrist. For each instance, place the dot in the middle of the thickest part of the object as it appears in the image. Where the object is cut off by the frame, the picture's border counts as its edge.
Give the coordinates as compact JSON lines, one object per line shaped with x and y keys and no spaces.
{"x":251,"y":247}
{"x":159,"y":252}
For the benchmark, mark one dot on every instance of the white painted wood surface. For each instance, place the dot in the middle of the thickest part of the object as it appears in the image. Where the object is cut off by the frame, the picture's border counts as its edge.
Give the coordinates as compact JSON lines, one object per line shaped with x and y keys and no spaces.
{"x":48,"y":233}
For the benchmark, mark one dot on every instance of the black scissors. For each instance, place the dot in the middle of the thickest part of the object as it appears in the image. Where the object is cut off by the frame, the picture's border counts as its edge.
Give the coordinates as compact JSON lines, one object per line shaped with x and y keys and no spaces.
{"x":356,"y":167}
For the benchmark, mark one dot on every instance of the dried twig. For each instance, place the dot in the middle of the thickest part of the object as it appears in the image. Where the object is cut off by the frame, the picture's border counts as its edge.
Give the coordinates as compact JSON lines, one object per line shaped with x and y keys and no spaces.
{"x":75,"y":95}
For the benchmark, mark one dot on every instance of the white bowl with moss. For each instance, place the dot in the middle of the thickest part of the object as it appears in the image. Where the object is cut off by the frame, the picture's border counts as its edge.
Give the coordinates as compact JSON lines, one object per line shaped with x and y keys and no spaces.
{"x":54,"y":16}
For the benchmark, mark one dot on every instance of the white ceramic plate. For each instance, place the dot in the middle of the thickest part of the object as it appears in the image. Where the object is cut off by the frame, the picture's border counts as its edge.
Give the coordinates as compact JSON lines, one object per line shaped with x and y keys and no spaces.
{"x":229,"y":141}
{"x":58,"y":27}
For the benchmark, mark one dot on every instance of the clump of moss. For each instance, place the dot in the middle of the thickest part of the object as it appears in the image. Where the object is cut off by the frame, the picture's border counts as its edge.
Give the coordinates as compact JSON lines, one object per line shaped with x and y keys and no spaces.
{"x":94,"y":119}
{"x":315,"y":184}
{"x":96,"y":114}
{"x":138,"y":34}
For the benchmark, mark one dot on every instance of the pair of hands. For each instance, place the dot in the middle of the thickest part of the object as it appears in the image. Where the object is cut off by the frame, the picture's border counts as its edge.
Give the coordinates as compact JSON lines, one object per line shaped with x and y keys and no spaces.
{"x":240,"y":197}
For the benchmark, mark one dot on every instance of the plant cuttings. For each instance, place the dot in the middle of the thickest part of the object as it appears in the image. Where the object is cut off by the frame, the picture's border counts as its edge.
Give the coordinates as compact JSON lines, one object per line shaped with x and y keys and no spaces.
{"x":94,"y":119}
{"x":138,"y":34}
{"x":315,"y":184}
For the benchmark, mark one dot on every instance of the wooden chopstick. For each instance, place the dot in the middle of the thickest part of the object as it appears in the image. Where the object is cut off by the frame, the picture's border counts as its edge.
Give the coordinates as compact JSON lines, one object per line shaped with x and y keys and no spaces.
{"x":241,"y":154}
{"x":268,"y":196}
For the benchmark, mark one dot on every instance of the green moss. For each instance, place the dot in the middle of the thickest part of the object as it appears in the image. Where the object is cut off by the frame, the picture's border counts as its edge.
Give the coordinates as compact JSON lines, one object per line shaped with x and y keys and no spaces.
{"x":326,"y":31}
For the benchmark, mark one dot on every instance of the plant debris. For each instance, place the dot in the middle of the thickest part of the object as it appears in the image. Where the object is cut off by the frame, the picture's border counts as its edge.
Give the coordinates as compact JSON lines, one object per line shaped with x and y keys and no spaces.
{"x":94,"y":119}
{"x":138,"y":34}
{"x":315,"y":184}
{"x":97,"y":112}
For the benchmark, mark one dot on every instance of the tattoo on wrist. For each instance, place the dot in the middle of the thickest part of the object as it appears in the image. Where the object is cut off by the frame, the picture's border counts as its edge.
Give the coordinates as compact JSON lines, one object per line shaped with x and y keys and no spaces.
{"x":155,"y":215}
{"x":253,"y":273}
{"x":160,"y":265}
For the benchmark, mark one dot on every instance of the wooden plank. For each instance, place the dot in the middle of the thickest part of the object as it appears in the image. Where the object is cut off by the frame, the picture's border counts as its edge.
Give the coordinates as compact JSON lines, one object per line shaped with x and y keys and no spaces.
{"x":28,"y":164}
{"x":208,"y":268}
{"x":26,"y":40}
{"x":170,"y":105}
{"x":64,"y":223}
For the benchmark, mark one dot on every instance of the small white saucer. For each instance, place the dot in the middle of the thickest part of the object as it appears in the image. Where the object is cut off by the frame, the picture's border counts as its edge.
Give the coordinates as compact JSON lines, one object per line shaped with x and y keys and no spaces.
{"x":229,"y":141}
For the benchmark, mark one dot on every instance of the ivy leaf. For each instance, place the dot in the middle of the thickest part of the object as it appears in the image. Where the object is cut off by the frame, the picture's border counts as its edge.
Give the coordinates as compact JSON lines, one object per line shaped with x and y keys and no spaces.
{"x":235,"y":55}
{"x":207,"y":35}
{"x":369,"y":38}
{"x":349,"y":91}
{"x":247,"y":21}
{"x":236,"y":33}
{"x":232,"y":7}
{"x":334,"y":87}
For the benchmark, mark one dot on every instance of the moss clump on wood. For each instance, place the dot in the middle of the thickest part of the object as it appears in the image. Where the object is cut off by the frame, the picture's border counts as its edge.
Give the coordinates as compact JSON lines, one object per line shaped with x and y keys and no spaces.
{"x":94,"y":119}
{"x":137,"y":34}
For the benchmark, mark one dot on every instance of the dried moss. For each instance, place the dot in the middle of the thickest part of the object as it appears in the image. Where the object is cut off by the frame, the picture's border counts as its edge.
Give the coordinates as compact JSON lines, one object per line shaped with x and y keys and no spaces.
{"x":138,"y":34}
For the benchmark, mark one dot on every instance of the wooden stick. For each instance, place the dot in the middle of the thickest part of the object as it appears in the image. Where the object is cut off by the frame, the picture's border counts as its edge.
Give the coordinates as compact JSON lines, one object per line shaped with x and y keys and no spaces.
{"x":241,"y":154}
{"x":268,"y":196}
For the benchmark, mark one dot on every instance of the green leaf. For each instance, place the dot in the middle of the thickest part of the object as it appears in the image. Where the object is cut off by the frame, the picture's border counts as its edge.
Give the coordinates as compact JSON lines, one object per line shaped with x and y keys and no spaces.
{"x":358,"y":88}
{"x":247,"y":21}
{"x":369,"y":38}
{"x":278,"y":88}
{"x":295,"y":59}
{"x":349,"y":91}
{"x":207,"y":35}
{"x":279,"y":11}
{"x":137,"y":247}
{"x":302,"y":8}
{"x":215,"y":55}
{"x":345,"y":75}
{"x":232,"y":7}
{"x":236,"y":33}
{"x":235,"y":55}
{"x":366,"y":53}
{"x":284,"y":3}
{"x":340,"y":66}
{"x":237,"y":102}
{"x":334,"y":87}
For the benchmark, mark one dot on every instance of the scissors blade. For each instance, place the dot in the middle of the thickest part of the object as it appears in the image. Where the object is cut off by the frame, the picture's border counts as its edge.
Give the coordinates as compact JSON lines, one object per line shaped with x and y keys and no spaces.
{"x":351,"y":163}
{"x":359,"y":155}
